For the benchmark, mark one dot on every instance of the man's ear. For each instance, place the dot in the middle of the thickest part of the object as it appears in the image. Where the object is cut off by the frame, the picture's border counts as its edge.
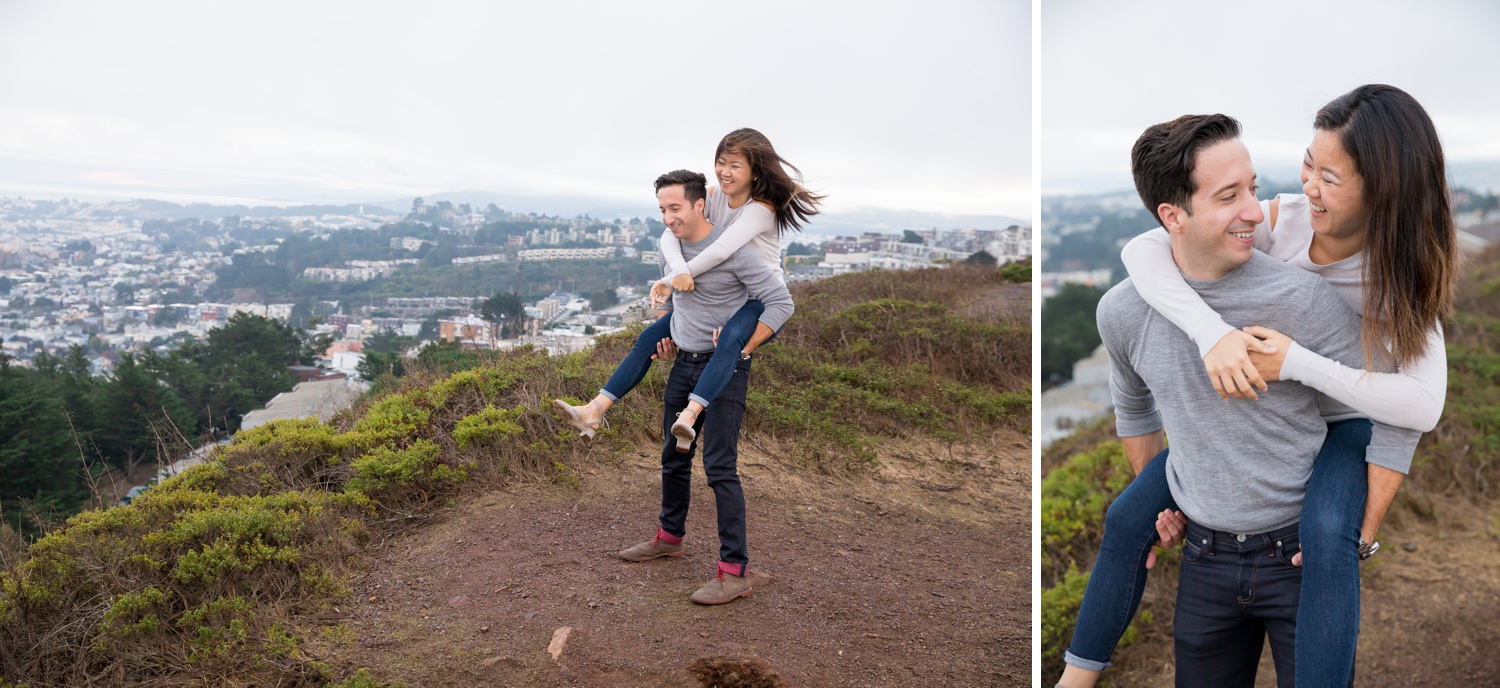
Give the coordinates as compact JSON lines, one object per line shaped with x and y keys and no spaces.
{"x":701,"y":206}
{"x":1173,"y":217}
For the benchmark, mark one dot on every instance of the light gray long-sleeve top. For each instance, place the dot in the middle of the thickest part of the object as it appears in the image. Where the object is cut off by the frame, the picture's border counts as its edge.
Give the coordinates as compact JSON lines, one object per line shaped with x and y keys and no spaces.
{"x":1236,"y":465}
{"x":721,"y":291}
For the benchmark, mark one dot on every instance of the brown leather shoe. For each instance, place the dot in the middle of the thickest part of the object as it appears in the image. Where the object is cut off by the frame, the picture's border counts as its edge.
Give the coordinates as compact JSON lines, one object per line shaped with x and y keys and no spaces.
{"x":722,"y":588}
{"x":651,"y":549}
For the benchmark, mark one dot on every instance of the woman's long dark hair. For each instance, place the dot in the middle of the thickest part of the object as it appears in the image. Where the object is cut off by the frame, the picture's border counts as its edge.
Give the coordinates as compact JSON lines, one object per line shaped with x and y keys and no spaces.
{"x":1411,"y":244}
{"x":792,"y":203}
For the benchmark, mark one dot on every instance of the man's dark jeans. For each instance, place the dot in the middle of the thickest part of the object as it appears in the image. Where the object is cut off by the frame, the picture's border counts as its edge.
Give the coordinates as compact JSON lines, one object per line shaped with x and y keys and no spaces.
{"x":1235,"y":590}
{"x":718,"y":429}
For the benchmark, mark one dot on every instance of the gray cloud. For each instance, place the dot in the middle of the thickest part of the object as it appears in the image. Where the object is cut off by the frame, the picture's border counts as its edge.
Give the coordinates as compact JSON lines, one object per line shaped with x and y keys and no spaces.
{"x":1109,"y":69}
{"x":887,"y":104}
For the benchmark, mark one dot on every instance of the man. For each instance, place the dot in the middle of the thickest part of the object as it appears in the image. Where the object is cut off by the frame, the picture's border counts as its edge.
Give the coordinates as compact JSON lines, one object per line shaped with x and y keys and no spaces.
{"x":1237,"y":471}
{"x":696,"y":315}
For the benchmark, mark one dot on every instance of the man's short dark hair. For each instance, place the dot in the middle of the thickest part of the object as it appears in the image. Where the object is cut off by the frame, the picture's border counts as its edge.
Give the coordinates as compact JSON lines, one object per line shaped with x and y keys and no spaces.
{"x":694,"y":184}
{"x":1164,"y":157}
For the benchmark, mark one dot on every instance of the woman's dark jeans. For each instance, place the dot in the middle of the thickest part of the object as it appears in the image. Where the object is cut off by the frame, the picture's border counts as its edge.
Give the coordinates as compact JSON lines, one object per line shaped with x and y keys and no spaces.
{"x":1332,"y":513}
{"x":721,"y":365}
{"x":1119,"y":575}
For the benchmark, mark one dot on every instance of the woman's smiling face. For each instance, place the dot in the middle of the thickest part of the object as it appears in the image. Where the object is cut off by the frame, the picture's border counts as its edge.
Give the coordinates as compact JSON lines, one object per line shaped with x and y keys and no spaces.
{"x":733,"y":171}
{"x":1334,"y":188}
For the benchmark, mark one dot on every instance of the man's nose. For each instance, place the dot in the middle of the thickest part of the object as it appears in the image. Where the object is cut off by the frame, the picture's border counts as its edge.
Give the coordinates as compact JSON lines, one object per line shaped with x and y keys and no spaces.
{"x":1252,"y":212}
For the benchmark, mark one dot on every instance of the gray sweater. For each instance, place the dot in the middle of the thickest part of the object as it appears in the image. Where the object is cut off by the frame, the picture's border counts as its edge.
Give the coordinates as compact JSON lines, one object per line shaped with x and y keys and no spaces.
{"x":1238,"y":466}
{"x":721,"y":291}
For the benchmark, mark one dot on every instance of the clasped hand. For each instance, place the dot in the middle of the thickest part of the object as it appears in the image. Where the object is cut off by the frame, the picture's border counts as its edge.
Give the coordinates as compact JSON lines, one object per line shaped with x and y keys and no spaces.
{"x":1245,"y":360}
{"x":661,"y":291}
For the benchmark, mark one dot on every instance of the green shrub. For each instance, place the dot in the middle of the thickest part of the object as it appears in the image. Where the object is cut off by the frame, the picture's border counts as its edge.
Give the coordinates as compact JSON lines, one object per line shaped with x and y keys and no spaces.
{"x":1075,"y":497}
{"x":185,"y":576}
{"x":488,"y":428}
{"x":1060,"y":605}
{"x":386,"y":467}
{"x":218,"y":627}
{"x":393,"y":419}
{"x":1019,"y":271}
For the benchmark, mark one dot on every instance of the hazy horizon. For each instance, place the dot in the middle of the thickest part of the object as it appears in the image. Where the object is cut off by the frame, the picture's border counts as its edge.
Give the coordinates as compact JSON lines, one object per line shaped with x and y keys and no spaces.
{"x":893,"y":104}
{"x":1109,"y":70}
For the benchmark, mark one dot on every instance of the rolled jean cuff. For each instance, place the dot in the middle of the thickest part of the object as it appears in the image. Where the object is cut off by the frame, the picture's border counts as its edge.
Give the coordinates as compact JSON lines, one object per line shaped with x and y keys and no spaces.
{"x":607,"y":395}
{"x":1082,"y":663}
{"x":700,"y":400}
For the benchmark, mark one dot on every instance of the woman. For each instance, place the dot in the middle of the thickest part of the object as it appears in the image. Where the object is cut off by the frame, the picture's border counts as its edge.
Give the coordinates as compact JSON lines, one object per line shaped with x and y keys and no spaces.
{"x":758,"y":201}
{"x":1375,"y":224}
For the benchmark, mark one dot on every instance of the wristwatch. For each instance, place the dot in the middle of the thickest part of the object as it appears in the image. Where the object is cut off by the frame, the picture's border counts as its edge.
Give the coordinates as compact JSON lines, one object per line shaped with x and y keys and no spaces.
{"x":1368,"y":549}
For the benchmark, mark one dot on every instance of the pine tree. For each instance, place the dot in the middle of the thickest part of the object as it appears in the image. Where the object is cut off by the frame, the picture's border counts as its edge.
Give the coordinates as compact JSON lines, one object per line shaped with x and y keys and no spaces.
{"x":143,"y":414}
{"x":39,"y":463}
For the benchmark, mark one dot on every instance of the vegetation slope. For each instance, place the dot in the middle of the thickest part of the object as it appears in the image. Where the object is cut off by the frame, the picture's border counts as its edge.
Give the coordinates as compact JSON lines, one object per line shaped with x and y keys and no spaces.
{"x":225,"y":574}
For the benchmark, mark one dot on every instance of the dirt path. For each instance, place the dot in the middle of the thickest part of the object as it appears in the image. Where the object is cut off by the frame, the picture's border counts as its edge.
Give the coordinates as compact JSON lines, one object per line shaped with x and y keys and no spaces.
{"x":918,"y":576}
{"x":1431,"y":609}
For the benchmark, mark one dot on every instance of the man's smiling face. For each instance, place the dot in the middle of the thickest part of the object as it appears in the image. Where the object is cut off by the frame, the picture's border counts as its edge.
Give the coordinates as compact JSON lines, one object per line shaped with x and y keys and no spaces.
{"x":680,"y":216}
{"x":1218,"y":234}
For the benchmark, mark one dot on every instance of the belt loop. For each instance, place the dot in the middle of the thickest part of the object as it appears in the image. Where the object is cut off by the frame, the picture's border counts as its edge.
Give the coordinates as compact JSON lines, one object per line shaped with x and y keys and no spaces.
{"x":1204,"y":535}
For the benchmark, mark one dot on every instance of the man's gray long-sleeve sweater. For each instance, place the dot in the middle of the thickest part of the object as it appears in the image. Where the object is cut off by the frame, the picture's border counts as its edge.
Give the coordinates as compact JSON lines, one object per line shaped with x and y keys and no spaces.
{"x":718,"y":293}
{"x":1237,"y":466}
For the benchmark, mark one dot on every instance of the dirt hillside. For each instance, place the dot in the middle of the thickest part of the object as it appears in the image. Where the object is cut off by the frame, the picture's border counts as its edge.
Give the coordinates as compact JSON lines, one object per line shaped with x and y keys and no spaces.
{"x":919,"y":575}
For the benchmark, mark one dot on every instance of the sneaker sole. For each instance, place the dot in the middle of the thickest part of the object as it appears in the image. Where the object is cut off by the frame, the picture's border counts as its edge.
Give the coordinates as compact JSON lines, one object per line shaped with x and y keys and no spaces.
{"x":725,"y":601}
{"x":654,"y":556}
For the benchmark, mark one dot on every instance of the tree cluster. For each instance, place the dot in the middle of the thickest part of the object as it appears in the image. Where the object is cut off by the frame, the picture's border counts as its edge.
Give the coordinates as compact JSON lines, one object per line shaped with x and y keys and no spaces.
{"x":506,"y":311}
{"x":60,"y":426}
{"x":1069,"y":331}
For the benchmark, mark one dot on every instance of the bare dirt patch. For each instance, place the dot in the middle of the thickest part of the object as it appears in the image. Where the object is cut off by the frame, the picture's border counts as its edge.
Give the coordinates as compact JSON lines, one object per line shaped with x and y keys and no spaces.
{"x":917,"y":575}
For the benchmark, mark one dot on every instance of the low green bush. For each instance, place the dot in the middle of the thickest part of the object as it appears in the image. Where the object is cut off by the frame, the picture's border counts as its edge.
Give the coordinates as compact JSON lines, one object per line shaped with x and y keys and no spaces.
{"x":1075,"y":497}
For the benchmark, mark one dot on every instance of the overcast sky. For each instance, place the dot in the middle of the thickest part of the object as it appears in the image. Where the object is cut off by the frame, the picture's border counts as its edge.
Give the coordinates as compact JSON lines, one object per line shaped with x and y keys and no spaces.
{"x":921,"y":105}
{"x":1110,"y":69}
